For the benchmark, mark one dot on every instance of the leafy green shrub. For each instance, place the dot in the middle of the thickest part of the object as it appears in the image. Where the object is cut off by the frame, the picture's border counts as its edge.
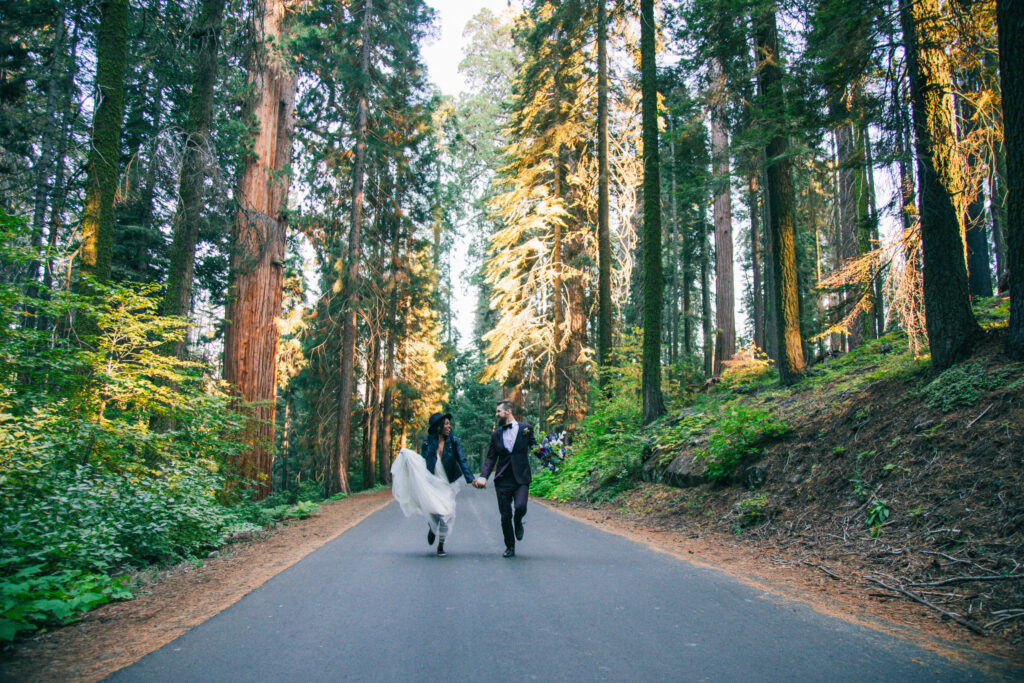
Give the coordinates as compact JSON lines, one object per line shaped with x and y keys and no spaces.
{"x":878,"y":512}
{"x":88,"y":484}
{"x":30,"y":598}
{"x":93,"y":517}
{"x":963,"y":384}
{"x":738,"y":434}
{"x":675,"y":435}
{"x":607,"y":448}
{"x":749,"y":365}
{"x":750,"y":510}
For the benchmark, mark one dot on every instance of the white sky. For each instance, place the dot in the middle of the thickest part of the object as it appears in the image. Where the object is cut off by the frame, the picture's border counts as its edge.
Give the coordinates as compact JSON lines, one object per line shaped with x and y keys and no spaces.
{"x":443,"y":55}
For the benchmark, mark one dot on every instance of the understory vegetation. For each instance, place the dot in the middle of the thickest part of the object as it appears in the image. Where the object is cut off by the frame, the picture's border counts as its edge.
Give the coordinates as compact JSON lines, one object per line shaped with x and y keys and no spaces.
{"x":89,"y":486}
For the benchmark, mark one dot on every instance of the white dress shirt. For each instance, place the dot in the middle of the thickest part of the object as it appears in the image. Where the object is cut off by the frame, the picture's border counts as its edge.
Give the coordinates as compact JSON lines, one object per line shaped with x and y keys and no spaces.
{"x":508,"y":436}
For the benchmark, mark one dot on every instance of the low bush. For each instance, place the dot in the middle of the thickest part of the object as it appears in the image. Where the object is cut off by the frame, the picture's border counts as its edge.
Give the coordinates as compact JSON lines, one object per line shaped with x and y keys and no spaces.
{"x":739,"y":433}
{"x":749,"y":365}
{"x":114,"y":453}
{"x":606,"y":449}
{"x":963,"y":385}
{"x":750,"y":510}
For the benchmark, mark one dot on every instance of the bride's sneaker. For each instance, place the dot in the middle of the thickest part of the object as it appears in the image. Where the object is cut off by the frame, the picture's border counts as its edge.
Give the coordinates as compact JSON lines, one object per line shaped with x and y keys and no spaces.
{"x":430,"y":537}
{"x":440,"y":550}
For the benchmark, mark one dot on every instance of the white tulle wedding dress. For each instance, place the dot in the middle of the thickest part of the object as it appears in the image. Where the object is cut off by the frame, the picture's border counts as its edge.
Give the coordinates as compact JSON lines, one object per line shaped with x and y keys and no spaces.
{"x":419,"y":492}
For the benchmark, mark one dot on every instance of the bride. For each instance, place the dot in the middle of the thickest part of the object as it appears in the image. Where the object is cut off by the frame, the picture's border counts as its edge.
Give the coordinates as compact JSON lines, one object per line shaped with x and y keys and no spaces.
{"x":423,"y":488}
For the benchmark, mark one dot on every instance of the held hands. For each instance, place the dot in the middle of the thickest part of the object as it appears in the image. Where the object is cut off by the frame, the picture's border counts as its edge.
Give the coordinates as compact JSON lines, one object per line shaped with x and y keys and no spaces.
{"x":480,"y":483}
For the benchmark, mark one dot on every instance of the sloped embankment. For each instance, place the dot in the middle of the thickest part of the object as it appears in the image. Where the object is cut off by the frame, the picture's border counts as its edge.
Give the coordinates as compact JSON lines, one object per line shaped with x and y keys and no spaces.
{"x":908,"y":484}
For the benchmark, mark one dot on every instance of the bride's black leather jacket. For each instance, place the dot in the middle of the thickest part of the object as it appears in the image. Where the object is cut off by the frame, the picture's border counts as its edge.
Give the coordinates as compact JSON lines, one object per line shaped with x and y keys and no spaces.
{"x":452,"y":457}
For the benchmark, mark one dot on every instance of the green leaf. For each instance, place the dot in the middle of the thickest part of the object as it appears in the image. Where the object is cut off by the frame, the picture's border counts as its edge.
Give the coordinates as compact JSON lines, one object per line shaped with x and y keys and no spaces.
{"x":9,"y":628}
{"x":58,"y":608}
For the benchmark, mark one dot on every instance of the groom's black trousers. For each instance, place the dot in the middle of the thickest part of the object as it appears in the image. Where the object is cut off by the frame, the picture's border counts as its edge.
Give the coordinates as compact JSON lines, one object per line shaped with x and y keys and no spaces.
{"x":510,"y":491}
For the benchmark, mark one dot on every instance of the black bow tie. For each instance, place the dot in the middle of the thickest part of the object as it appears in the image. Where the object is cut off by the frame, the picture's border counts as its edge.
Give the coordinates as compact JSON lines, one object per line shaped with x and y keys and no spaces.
{"x":508,"y":426}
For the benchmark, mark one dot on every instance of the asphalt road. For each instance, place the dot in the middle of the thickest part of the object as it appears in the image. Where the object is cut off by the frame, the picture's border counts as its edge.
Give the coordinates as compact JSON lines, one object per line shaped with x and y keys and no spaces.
{"x":576,"y":604}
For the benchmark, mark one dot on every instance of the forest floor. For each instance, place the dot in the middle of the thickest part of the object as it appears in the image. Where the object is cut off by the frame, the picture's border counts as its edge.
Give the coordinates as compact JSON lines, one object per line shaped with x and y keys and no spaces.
{"x":939,"y":460}
{"x":170,"y":601}
{"x":945,"y":459}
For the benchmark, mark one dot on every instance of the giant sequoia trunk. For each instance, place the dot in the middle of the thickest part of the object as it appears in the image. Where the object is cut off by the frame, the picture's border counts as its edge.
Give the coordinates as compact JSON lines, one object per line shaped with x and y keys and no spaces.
{"x":257,"y":256}
{"x":1011,"y":72}
{"x":952,"y":329}
{"x":104,"y":150}
{"x":651,"y":366}
{"x":604,"y":244}
{"x":575,"y":368}
{"x":339,"y":470}
{"x":725,"y":316}
{"x":178,"y":295}
{"x":781,"y":205}
{"x":561,"y":394}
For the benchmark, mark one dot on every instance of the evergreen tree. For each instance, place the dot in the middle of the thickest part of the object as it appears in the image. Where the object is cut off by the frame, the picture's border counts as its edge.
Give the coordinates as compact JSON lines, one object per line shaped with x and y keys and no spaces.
{"x":781,"y":200}
{"x":952,"y":329}
{"x":652,"y":268}
{"x":103,"y":170}
{"x":194,"y":164}
{"x":538,"y":259}
{"x":1011,"y":68}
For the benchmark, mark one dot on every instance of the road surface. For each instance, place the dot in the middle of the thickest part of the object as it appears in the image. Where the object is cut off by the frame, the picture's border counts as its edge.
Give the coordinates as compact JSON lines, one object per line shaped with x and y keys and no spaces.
{"x":575,"y":604}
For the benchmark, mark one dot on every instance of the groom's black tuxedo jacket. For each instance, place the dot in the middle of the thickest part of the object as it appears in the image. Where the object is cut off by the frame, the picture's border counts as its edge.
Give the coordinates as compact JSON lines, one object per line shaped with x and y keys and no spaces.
{"x":499,"y":459}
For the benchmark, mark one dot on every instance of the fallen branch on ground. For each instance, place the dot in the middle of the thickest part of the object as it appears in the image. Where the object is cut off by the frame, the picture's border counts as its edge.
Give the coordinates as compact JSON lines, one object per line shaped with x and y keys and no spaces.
{"x":1007,"y":615}
{"x":965,"y":579}
{"x":812,"y":564}
{"x":914,"y":596}
{"x":971,"y":423}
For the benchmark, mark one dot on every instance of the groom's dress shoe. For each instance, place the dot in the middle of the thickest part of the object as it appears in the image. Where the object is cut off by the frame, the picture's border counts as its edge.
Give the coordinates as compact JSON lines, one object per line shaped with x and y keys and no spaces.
{"x":509,"y":552}
{"x":519,"y":529}
{"x":430,"y":537}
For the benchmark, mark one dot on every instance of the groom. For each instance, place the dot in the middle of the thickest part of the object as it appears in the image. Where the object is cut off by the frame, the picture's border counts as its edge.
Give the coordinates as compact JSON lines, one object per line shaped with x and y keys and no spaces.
{"x":508,"y":457}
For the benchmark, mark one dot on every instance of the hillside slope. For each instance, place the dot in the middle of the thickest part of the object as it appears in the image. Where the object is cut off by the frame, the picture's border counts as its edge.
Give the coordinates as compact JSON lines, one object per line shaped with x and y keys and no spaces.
{"x":871,"y":468}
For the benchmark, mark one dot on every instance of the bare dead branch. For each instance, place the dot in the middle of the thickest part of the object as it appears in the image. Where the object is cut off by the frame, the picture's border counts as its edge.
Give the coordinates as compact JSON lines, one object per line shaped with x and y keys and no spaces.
{"x":965,"y":579}
{"x":914,"y":596}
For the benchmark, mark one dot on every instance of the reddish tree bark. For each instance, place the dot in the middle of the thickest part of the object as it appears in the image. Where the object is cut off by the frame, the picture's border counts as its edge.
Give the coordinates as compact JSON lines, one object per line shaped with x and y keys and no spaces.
{"x":725,"y":314}
{"x":254,"y":298}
